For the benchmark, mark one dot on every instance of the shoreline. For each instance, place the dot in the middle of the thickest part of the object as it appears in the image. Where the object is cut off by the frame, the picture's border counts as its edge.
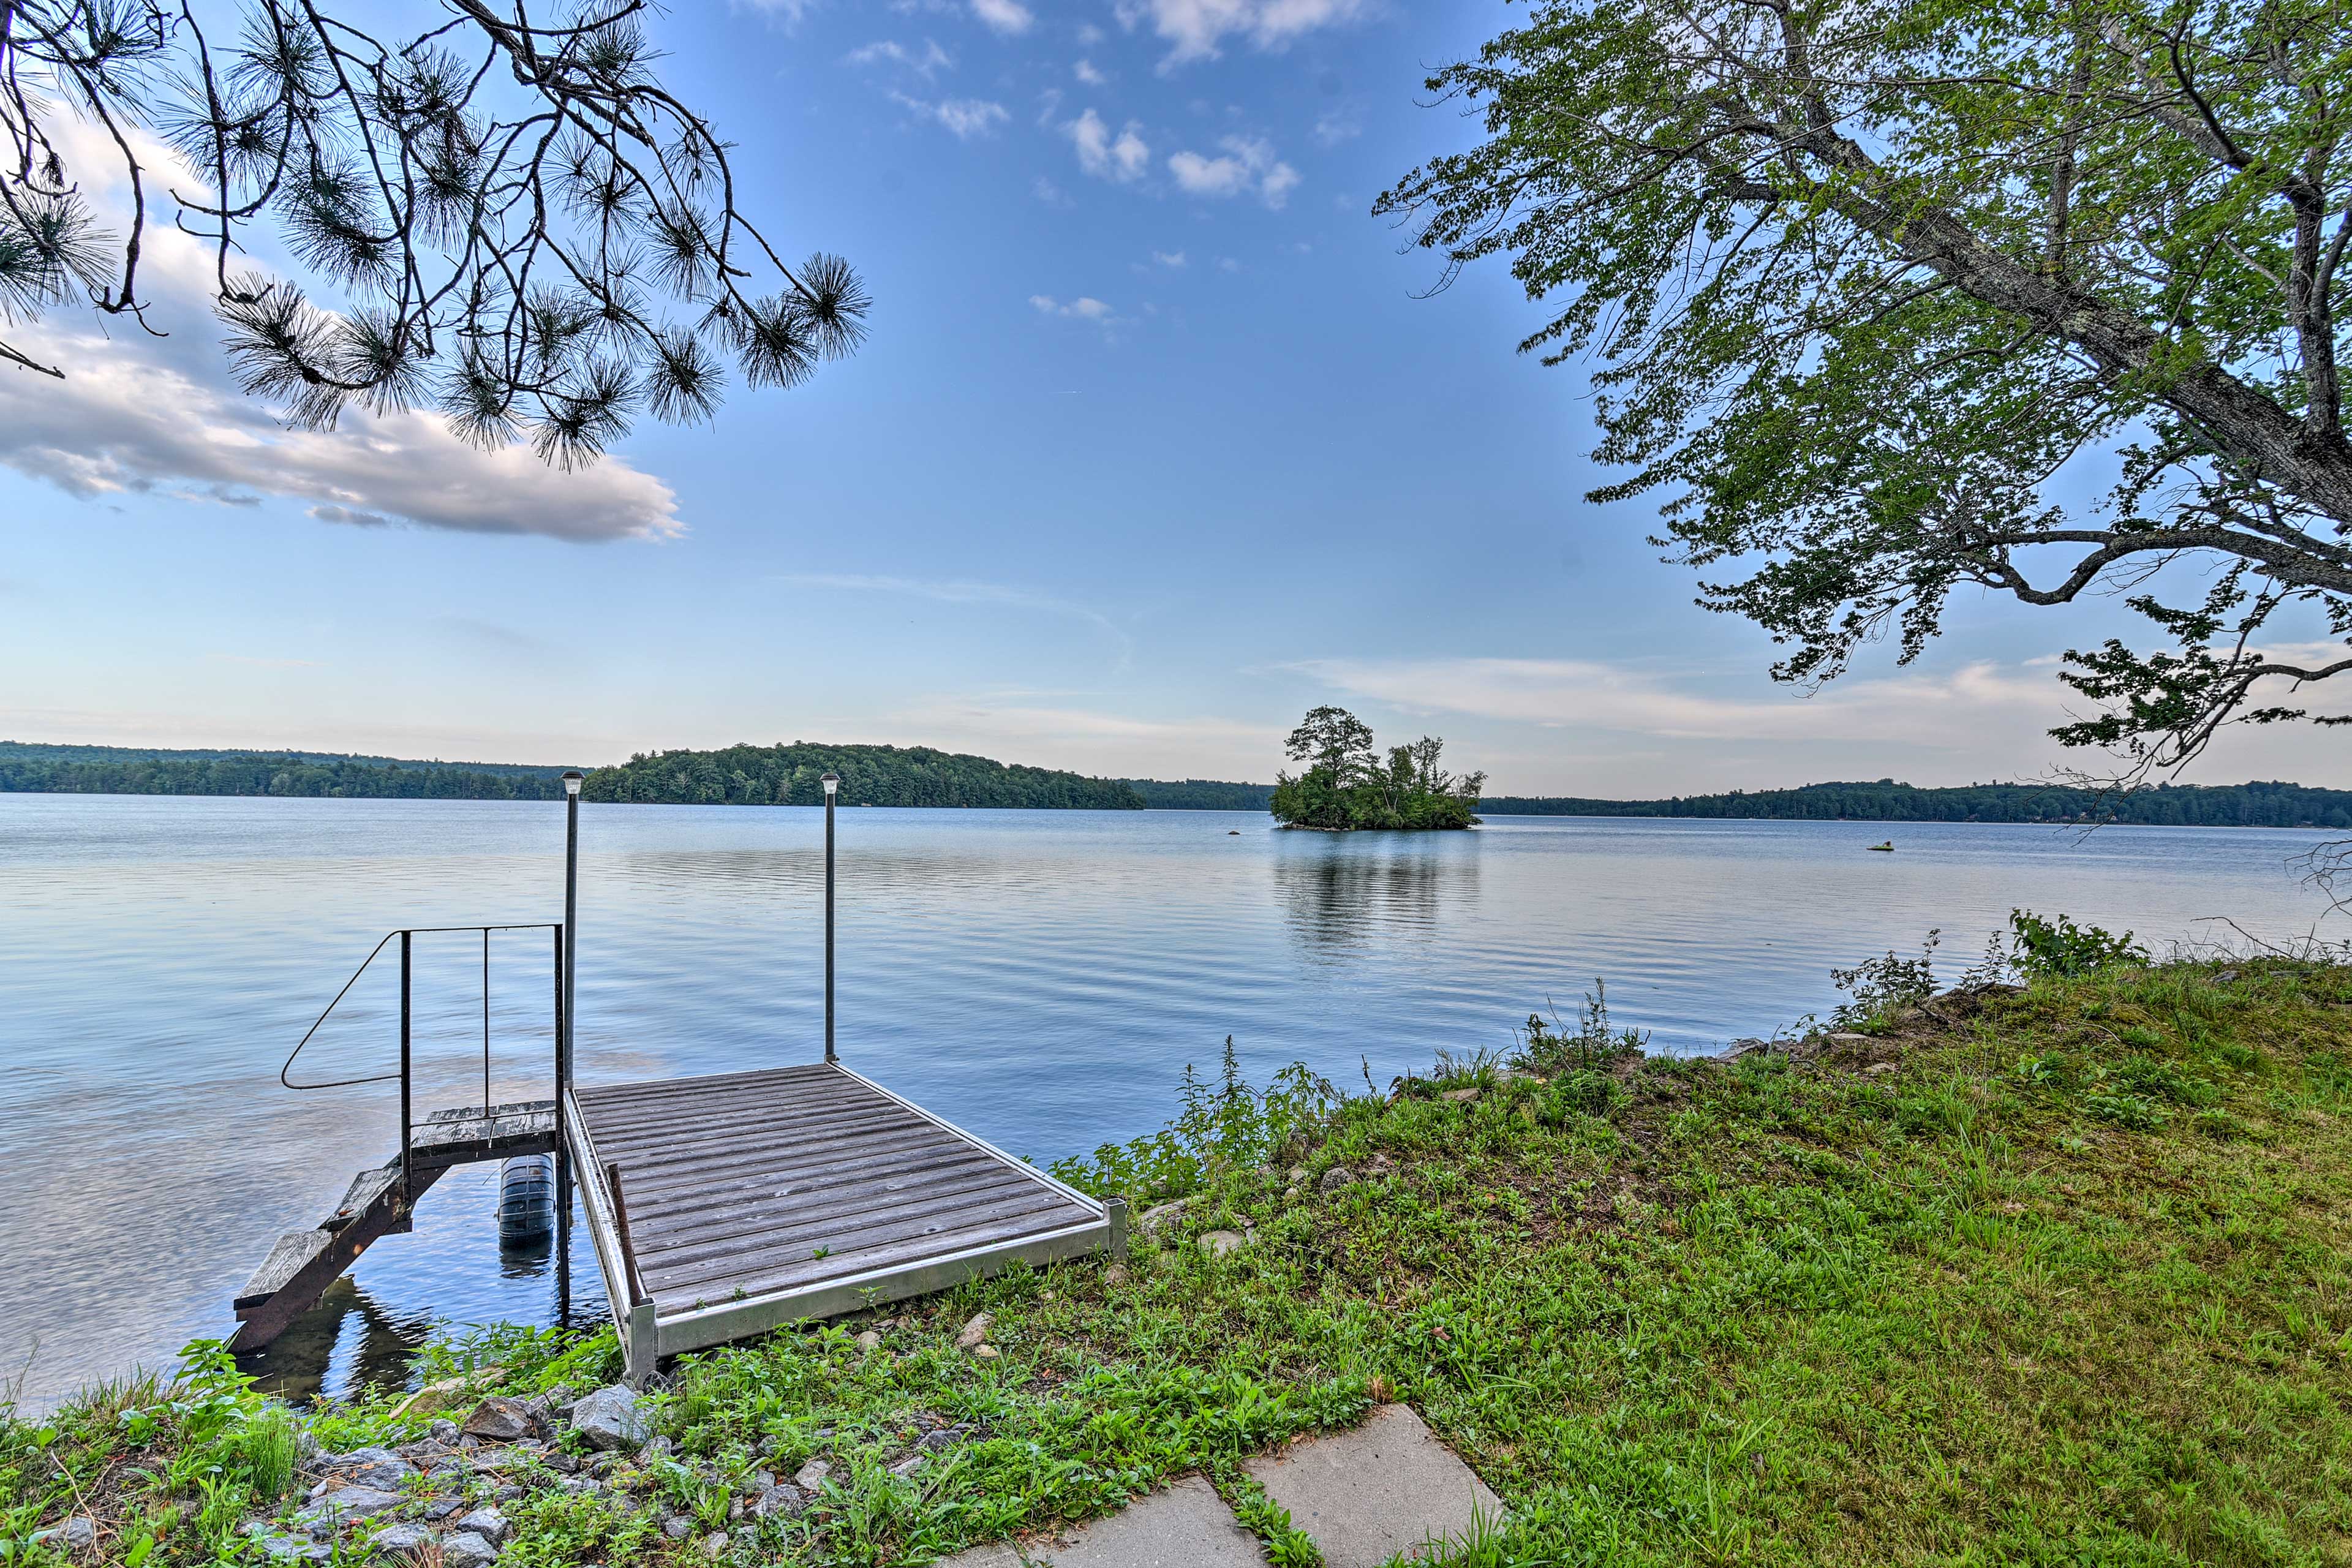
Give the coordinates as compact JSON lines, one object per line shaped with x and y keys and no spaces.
{"x":1577,"y":1264}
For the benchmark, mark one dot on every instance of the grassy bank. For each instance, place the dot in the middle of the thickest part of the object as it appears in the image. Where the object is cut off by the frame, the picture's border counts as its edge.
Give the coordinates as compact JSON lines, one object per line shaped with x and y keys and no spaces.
{"x":2055,"y":1277}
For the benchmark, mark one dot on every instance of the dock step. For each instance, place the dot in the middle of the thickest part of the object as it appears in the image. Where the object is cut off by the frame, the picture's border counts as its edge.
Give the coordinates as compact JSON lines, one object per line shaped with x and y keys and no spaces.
{"x":303,"y":1263}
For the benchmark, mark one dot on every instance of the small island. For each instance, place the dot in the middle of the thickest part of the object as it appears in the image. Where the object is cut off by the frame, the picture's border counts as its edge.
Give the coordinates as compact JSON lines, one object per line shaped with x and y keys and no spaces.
{"x":1346,"y":786}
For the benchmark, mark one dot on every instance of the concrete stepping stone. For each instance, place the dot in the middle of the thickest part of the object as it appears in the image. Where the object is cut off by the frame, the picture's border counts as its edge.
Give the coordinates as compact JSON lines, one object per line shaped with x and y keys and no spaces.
{"x":1386,"y":1487}
{"x":1186,"y":1526}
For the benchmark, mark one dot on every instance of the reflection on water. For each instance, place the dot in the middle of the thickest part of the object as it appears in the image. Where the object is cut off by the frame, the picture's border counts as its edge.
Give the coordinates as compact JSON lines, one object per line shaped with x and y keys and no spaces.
{"x":1043,"y":977}
{"x":1343,"y":892}
{"x":363,"y":1331}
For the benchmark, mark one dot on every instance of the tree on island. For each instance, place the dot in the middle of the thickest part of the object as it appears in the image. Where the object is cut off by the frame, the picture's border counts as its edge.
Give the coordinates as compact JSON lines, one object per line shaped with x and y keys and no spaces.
{"x":1876,"y":291}
{"x":1345,"y":785}
{"x":534,"y":235}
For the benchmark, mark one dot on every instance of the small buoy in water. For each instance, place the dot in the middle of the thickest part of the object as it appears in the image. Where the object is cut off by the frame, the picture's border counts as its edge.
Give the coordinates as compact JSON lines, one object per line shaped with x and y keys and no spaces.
{"x":526,"y":1198}
{"x":1233,"y":833}
{"x":1888,"y":846}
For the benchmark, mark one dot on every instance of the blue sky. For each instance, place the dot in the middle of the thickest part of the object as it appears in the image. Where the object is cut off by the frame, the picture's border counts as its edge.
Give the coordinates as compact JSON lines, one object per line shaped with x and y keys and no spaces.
{"x":1154,"y":445}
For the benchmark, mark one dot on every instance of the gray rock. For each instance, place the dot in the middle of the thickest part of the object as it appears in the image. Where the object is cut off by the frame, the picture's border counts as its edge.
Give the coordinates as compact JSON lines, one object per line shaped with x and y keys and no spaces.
{"x":338,"y":1508}
{"x":868,"y":1340}
{"x":935,"y":1442}
{"x":564,"y":1464}
{"x":659,"y":1446}
{"x":465,"y":1550}
{"x":282,"y":1548}
{"x":678,"y":1526}
{"x":1153,"y":1218}
{"x":783,"y":1499}
{"x":1335,"y":1178}
{"x":1739,"y":1048}
{"x":441,"y":1508}
{"x":489,"y":1524}
{"x":405,"y":1539}
{"x":811,"y":1476}
{"x":609,"y":1418}
{"x":76,"y":1534}
{"x":499,"y":1419}
{"x":1221,"y":1243}
{"x":714,"y":1545}
{"x":378,"y":1467}
{"x":974,"y":1332}
{"x":909,"y":1465}
{"x":583,"y":1485}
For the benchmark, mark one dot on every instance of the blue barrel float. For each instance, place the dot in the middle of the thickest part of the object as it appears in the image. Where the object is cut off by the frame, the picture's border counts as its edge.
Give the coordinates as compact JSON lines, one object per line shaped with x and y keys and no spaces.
{"x":526,"y":1198}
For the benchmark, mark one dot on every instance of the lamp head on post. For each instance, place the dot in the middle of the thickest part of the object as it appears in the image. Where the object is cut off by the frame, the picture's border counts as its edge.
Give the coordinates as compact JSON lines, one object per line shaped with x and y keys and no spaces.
{"x":832,"y":783}
{"x":572,"y":782}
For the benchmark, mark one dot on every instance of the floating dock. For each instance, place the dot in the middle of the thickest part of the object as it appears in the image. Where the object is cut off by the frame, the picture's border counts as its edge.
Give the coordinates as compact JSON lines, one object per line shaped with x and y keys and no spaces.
{"x":727,"y":1205}
{"x":719,"y":1206}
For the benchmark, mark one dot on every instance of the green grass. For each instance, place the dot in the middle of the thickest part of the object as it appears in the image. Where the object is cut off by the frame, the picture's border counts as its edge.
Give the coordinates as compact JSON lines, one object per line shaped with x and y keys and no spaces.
{"x":2062,"y":1278}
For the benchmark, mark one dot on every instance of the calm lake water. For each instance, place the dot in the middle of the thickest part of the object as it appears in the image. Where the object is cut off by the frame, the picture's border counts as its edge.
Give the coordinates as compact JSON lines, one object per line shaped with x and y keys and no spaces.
{"x":1041,"y":977}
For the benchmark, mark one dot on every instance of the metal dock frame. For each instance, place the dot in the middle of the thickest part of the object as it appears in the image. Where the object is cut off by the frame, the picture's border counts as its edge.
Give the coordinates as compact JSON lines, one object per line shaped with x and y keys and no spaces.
{"x":649,"y":1334}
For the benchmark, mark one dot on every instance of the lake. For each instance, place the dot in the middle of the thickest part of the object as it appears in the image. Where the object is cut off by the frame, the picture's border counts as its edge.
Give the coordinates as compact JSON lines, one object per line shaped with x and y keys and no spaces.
{"x":1041,"y":977}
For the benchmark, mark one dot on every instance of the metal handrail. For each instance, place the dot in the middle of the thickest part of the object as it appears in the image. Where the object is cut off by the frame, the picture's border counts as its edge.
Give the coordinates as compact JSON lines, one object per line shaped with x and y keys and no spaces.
{"x":408,"y":1187}
{"x":373,"y":953}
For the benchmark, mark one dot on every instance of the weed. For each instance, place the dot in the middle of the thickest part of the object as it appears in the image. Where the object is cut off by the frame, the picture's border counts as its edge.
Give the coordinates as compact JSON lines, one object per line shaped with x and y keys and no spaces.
{"x":1880,"y":987}
{"x":2057,"y":947}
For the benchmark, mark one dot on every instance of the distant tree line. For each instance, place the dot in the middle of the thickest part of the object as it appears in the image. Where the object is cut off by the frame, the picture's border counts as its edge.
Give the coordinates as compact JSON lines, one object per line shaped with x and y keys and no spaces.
{"x":1201,"y":794}
{"x":870,"y":775}
{"x":264,"y":774}
{"x":2256,"y":804}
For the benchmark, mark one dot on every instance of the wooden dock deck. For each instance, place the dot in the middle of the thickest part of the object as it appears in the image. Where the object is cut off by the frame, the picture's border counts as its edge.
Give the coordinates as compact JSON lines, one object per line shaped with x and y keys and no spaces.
{"x":748,"y":1200}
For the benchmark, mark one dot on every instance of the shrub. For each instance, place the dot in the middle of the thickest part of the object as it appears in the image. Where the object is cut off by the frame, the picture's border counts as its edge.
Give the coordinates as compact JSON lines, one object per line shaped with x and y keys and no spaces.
{"x":2057,"y":947}
{"x":1549,"y":1049}
{"x":1220,"y":1127}
{"x":1883,"y":986}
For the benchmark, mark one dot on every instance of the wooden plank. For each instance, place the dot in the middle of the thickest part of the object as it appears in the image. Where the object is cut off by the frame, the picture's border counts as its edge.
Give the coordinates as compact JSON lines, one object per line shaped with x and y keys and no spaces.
{"x":698,"y":1328}
{"x":751,"y":1154}
{"x":652,"y":1089}
{"x":294,"y":1252}
{"x":906,"y":1252}
{"x":262,"y":1321}
{"x":628,"y":1131}
{"x":718,"y":1122}
{"x":792,"y":1255}
{"x":748,"y":1203}
{"x":736,"y":1139}
{"x":819,"y":1224}
{"x":361,"y":1195}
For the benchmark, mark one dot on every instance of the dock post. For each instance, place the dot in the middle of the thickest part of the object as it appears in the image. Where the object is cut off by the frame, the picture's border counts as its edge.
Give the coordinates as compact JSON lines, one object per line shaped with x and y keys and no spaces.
{"x":1115,"y":1210}
{"x":832,"y":787}
{"x":408,"y":1169}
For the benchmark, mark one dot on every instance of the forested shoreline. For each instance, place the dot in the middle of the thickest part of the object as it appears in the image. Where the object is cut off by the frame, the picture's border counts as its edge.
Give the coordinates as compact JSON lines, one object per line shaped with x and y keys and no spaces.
{"x":918,"y":775}
{"x":870,"y":775}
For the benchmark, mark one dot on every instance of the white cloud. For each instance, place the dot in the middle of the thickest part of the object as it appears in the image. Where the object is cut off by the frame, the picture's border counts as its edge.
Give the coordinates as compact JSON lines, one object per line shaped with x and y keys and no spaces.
{"x":1333,"y":126}
{"x":1008,"y":17}
{"x":138,"y":415}
{"x":1086,"y":308}
{"x":1085,"y":72}
{"x":790,"y":11}
{"x":1949,"y":710}
{"x":1106,"y":157}
{"x":964,"y":117}
{"x":1227,"y":264}
{"x":1169,"y":257}
{"x":1046,"y":191}
{"x":1247,"y":163}
{"x":1194,"y":28}
{"x":926,"y":62}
